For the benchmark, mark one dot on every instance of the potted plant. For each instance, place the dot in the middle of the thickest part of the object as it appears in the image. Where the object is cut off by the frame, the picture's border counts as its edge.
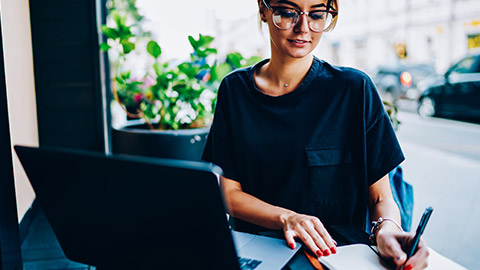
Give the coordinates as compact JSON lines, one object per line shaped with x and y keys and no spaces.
{"x":170,"y":105}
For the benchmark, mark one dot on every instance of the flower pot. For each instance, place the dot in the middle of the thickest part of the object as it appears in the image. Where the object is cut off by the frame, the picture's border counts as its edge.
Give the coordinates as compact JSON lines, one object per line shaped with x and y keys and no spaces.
{"x":138,"y":139}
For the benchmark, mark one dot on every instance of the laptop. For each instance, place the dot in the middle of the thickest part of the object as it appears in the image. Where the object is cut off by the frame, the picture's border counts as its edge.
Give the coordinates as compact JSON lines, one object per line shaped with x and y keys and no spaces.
{"x":126,"y":212}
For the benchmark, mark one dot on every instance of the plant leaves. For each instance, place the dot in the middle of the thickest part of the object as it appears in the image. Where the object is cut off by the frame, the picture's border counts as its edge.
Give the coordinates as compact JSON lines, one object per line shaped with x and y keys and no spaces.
{"x":235,"y":59}
{"x":193,"y":42}
{"x":104,"y":47}
{"x":109,"y":32}
{"x":154,"y":49}
{"x":188,"y":69}
{"x":205,"y":41}
{"x":127,"y":46}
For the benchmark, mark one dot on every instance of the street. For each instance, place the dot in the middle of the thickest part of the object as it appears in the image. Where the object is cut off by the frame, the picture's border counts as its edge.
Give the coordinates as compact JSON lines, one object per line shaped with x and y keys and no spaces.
{"x":443,"y":165}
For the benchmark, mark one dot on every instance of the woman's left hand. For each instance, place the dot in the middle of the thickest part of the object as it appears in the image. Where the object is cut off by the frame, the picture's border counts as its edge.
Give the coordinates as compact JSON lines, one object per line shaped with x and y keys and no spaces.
{"x":391,"y":246}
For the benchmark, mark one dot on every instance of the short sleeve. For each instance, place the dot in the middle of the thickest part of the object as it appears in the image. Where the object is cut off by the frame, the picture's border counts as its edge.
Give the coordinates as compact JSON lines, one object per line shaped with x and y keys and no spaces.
{"x":219,"y":148}
{"x":383,"y":149}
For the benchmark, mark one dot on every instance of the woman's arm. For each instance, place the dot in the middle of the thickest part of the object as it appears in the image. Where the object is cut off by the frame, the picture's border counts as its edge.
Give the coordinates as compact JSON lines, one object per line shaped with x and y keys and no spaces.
{"x":309,"y":229}
{"x":391,"y":240}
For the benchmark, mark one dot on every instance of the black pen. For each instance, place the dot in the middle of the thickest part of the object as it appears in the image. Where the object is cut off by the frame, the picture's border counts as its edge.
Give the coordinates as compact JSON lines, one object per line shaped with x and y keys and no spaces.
{"x":421,"y":227}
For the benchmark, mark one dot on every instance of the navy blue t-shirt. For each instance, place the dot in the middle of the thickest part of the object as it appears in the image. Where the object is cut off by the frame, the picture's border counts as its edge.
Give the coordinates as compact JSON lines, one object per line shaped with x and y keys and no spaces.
{"x":315,"y":150}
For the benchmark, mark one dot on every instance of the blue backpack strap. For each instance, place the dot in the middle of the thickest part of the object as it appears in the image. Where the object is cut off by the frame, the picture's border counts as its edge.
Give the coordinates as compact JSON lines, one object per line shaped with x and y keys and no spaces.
{"x":403,"y":195}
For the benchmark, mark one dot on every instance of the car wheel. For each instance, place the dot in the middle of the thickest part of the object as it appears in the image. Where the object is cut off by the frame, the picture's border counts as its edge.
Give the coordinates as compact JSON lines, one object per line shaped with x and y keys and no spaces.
{"x":427,"y":108}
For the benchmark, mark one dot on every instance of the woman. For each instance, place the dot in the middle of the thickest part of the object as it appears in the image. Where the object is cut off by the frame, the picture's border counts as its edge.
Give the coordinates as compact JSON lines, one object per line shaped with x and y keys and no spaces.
{"x":304,"y":144}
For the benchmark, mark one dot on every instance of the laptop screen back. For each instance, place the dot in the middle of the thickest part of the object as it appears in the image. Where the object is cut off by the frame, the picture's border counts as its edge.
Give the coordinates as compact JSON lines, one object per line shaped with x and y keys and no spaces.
{"x":126,"y":212}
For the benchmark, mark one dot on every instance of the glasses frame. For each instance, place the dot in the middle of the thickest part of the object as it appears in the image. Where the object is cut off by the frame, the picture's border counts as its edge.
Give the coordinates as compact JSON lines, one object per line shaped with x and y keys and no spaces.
{"x":330,"y":10}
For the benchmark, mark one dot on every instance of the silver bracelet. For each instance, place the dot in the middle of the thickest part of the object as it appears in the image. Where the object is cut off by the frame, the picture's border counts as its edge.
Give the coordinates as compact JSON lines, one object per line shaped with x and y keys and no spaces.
{"x":376,"y":225}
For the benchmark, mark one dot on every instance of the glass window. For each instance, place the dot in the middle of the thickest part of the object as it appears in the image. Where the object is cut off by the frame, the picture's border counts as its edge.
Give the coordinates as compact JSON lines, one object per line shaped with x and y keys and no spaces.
{"x":464,"y":66}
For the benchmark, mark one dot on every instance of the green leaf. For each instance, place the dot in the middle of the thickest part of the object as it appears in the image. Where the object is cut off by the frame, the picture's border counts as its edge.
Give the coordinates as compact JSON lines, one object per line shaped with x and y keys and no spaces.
{"x":124,"y":32}
{"x":154,"y":49}
{"x":127,"y":46}
{"x":235,"y":59}
{"x":209,"y":51}
{"x":205,"y":41}
{"x":117,"y":18}
{"x":222,"y":70}
{"x":188,"y":69}
{"x":104,"y":47}
{"x":109,"y":32}
{"x":193,"y":42}
{"x":158,"y":68}
{"x":253,"y":60}
{"x":162,"y":81}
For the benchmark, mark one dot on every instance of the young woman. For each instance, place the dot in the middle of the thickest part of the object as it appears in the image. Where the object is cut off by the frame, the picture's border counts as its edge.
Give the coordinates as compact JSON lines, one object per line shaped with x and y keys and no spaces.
{"x":304,"y":144}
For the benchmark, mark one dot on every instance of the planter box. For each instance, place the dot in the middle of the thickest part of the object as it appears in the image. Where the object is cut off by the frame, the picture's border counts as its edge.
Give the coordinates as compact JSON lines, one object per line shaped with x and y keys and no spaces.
{"x":137,"y":139}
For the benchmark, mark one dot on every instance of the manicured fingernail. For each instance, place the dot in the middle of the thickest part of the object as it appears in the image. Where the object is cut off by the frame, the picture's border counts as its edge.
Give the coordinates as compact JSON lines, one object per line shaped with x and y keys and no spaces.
{"x":408,"y":267}
{"x":319,"y":253}
{"x":326,"y":252}
{"x":401,"y":257}
{"x":292,"y":245}
{"x":334,"y":250}
{"x":335,"y":242}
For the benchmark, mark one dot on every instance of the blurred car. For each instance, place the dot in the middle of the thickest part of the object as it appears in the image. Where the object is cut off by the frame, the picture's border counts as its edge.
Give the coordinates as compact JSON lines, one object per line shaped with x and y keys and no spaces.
{"x":456,"y":94}
{"x":399,"y":81}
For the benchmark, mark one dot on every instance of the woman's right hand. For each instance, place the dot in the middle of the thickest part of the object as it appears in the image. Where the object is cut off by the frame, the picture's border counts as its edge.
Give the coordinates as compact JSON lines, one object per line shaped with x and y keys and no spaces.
{"x":310,"y":231}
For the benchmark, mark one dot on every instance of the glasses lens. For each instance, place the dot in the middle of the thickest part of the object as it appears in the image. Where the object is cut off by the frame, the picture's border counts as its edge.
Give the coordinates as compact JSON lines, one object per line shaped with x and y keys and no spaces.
{"x":320,"y":21}
{"x":284,"y":18}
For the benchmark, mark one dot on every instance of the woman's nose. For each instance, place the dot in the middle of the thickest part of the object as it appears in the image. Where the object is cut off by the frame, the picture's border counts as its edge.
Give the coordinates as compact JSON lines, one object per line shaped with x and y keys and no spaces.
{"x":302,"y":24}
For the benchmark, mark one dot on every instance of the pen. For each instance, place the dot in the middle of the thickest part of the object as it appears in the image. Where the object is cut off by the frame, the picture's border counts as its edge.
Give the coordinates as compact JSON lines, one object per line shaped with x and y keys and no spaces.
{"x":421,"y":227}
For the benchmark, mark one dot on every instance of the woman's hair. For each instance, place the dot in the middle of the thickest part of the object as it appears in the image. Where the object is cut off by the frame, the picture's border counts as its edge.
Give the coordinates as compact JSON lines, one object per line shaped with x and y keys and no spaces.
{"x":333,"y":4}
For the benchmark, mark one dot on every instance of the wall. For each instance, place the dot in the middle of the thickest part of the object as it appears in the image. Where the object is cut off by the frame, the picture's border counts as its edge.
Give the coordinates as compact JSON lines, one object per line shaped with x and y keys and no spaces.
{"x":20,"y":89}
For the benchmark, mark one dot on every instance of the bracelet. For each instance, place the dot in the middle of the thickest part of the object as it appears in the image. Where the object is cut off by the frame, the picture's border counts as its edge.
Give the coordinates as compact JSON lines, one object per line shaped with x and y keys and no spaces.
{"x":376,"y":226}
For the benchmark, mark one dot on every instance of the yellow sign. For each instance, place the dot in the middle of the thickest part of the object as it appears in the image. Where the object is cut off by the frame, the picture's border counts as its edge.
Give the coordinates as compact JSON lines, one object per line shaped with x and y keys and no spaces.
{"x":474,"y":23}
{"x":473,"y":41}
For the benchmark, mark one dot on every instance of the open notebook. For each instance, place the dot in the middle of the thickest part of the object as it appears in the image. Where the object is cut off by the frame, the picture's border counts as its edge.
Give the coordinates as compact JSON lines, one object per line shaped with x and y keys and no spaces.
{"x":361,"y":256}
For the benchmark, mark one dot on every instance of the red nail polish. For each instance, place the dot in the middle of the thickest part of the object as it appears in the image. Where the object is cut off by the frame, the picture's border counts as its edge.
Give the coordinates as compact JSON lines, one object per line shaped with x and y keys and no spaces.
{"x":334,"y":250}
{"x":326,"y":252}
{"x":408,"y":267}
{"x":292,"y":245}
{"x":319,"y":253}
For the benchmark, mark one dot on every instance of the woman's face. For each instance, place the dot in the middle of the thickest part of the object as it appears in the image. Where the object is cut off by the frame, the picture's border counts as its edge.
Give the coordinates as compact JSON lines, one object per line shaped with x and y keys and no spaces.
{"x":300,"y":40}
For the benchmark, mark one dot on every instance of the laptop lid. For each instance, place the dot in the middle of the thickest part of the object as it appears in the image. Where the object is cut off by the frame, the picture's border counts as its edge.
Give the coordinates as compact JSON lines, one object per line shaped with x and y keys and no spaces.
{"x":132,"y":212}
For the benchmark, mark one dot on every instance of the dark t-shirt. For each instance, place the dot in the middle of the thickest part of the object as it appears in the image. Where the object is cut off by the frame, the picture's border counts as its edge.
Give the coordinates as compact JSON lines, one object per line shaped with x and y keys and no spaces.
{"x":315,"y":150}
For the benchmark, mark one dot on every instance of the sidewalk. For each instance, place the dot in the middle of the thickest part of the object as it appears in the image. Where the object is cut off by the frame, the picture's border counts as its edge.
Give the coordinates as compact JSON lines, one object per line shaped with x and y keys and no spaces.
{"x":451,"y":184}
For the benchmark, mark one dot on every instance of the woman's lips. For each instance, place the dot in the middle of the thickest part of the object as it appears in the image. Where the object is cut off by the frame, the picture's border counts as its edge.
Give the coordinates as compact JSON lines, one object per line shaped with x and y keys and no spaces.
{"x":298,"y":42}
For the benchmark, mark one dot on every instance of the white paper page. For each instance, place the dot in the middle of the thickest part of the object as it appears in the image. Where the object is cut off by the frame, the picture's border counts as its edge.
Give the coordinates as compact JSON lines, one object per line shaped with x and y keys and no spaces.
{"x":356,"y":256}
{"x":360,"y":256}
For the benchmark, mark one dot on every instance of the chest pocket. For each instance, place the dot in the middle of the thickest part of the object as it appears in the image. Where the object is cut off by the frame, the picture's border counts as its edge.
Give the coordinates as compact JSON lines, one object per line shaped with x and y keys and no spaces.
{"x":329,"y":174}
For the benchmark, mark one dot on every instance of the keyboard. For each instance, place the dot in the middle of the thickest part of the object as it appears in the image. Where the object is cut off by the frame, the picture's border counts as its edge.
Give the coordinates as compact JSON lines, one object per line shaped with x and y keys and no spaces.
{"x":248,"y":264}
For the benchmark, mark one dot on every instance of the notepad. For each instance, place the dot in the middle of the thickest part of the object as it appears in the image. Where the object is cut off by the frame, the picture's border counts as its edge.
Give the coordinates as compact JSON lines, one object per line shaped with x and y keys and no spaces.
{"x":361,"y":256}
{"x":356,"y":256}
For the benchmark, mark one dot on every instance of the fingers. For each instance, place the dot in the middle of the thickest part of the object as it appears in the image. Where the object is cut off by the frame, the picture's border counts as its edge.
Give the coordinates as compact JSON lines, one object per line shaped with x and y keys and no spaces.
{"x":322,"y":238}
{"x":419,"y":260}
{"x":289,"y":237}
{"x":311,"y":232}
{"x":391,"y":246}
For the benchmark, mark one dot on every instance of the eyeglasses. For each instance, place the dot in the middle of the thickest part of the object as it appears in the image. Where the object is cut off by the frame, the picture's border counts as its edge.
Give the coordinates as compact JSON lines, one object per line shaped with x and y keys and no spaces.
{"x":318,"y":20}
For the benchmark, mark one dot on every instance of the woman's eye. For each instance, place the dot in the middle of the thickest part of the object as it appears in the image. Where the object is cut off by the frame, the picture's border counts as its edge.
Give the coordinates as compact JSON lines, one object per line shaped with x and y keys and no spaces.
{"x":287,"y":13}
{"x":317,"y":15}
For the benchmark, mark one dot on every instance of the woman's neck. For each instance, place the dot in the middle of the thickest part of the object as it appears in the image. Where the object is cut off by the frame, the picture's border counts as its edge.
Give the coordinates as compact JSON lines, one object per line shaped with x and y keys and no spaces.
{"x":282,"y":75}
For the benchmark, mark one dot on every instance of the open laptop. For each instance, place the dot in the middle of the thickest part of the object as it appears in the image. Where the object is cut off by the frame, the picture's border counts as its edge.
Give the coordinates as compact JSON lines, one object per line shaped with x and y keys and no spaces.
{"x":125,"y":212}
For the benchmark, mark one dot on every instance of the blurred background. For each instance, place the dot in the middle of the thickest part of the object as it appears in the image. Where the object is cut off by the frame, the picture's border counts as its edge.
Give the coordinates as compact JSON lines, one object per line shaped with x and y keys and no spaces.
{"x":423,"y":56}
